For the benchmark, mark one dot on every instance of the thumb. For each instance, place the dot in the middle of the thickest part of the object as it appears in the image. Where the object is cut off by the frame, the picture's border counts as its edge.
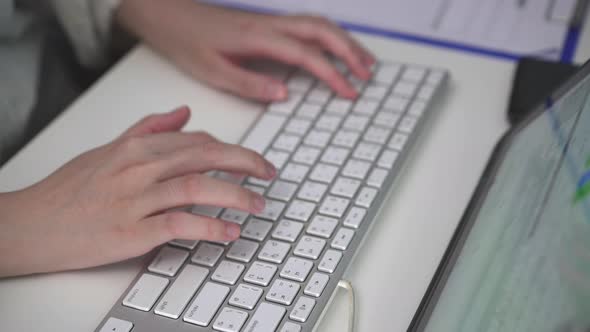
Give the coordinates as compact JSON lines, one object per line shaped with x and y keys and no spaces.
{"x":159,"y":123}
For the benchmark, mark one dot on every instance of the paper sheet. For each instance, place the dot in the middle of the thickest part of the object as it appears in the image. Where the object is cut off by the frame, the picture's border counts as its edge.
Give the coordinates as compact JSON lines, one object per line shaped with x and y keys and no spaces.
{"x":510,"y":27}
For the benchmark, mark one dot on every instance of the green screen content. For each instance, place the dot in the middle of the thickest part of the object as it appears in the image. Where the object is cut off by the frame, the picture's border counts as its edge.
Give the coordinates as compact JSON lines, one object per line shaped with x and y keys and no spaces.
{"x":525,"y":264}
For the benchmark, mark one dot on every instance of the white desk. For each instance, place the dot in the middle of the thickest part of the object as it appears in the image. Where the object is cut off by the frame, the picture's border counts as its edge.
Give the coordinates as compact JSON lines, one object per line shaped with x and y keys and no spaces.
{"x":392,"y":270}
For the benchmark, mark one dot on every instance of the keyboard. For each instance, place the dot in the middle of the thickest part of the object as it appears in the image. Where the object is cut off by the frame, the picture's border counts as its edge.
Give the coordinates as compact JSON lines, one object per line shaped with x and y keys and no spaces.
{"x":336,"y":161}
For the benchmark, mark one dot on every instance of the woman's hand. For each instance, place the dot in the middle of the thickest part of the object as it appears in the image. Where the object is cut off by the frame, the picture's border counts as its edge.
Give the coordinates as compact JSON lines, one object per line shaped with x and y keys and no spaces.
{"x":111,"y":203}
{"x":209,"y":42}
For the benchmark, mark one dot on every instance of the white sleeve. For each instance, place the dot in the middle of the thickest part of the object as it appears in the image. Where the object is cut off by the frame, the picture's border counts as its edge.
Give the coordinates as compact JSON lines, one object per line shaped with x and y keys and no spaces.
{"x":88,"y":24}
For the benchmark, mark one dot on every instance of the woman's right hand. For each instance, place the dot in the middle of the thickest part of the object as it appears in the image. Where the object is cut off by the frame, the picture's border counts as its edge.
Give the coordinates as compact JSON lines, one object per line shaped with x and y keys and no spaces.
{"x":113,"y":202}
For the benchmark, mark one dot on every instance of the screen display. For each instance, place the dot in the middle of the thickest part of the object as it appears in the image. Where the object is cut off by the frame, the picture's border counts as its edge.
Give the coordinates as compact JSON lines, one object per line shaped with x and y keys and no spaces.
{"x":525,"y":263}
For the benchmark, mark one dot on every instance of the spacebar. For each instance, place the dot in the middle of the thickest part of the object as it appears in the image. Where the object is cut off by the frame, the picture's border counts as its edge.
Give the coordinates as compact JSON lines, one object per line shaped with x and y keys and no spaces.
{"x":264,"y":131}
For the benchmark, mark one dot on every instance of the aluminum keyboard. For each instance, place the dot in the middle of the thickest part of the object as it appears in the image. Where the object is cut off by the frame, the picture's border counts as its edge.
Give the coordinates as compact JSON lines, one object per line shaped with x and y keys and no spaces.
{"x":337,"y":160}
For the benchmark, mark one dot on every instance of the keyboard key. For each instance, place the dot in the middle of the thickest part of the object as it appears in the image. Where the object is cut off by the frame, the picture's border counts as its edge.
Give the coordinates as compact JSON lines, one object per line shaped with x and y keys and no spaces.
{"x":319,"y":96}
{"x":277,"y":158}
{"x":356,"y":122}
{"x":235,"y":216}
{"x":272,"y":210}
{"x":266,"y":318}
{"x":282,"y":190}
{"x":145,"y":292}
{"x":287,"y":230}
{"x":256,"y":229}
{"x":355,"y":217}
{"x":346,"y":138}
{"x":377,"y":134}
{"x":387,"y":73}
{"x":290,"y":327}
{"x":328,"y":122}
{"x":334,"y":206}
{"x":294,"y":172}
{"x":287,"y":106}
{"x":345,"y":187}
{"x":230,"y":320}
{"x":259,"y":182}
{"x":317,"y":138}
{"x":245,"y":296}
{"x":367,"y":151}
{"x":205,"y":305}
{"x":300,"y":82}
{"x":309,"y":111}
{"x":426,"y":92}
{"x":377,"y":177}
{"x":342,"y":238}
{"x":339,"y":106}
{"x":366,"y":197}
{"x":435,"y":76}
{"x":397,"y":141}
{"x":274,"y":251}
{"x":356,"y":169}
{"x":188,"y":244}
{"x":312,"y":191}
{"x":207,"y":254}
{"x":414,"y":74}
{"x":242,"y":250}
{"x":330,"y":261}
{"x":300,"y":210}
{"x":182,"y":290}
{"x":282,"y":291}
{"x":404,"y":89}
{"x":207,"y":211}
{"x":296,"y":269}
{"x":417,"y":109}
{"x":302,"y":309}
{"x":297,"y":126}
{"x":323,"y":173}
{"x":116,"y":325}
{"x":407,"y":124}
{"x":263,"y":132}
{"x":316,"y":284}
{"x":387,"y":158}
{"x":168,"y":261}
{"x":366,"y":106}
{"x":260,"y":273}
{"x":309,"y":247}
{"x":375,"y":91}
{"x":286,"y":142}
{"x":386,"y":119}
{"x":322,"y":226}
{"x":335,"y":155}
{"x":306,"y":155}
{"x":396,"y":104}
{"x":228,"y":272}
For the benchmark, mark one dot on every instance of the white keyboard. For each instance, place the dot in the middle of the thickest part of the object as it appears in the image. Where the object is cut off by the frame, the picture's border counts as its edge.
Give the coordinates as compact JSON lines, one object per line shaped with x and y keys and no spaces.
{"x":337,"y":160}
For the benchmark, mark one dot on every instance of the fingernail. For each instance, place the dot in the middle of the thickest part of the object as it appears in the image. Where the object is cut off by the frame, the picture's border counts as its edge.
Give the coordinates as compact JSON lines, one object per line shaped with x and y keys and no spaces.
{"x":276,"y":91}
{"x":232,"y":231}
{"x":259,"y":204}
{"x":180,"y":108}
{"x":271,"y":170}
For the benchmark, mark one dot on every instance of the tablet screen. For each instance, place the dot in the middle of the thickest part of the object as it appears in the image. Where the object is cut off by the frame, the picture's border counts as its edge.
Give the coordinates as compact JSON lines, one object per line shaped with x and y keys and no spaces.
{"x":525,"y":263}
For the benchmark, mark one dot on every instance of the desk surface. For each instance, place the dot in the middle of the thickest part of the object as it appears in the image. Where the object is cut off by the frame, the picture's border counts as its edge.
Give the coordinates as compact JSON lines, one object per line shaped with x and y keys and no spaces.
{"x":451,"y":153}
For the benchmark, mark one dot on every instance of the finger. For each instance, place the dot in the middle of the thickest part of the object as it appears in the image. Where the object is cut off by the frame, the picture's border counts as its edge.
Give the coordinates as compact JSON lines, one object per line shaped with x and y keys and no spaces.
{"x":167,"y":226}
{"x":294,"y":52}
{"x":158,"y":123}
{"x":332,"y":38}
{"x":199,"y":189}
{"x":235,"y":79}
{"x":165,"y":143}
{"x":209,"y":156}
